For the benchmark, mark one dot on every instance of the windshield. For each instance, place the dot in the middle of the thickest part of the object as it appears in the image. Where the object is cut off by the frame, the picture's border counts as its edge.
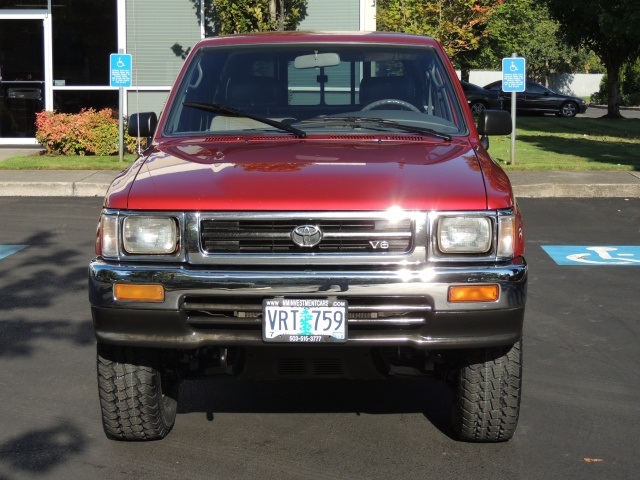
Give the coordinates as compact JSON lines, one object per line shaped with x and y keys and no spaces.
{"x":355,"y":86}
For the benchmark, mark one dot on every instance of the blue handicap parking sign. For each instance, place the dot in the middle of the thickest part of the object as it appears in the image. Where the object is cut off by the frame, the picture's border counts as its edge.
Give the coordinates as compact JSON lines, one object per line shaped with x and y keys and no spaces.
{"x":514,"y":74}
{"x":594,"y":255}
{"x":120,"y":68}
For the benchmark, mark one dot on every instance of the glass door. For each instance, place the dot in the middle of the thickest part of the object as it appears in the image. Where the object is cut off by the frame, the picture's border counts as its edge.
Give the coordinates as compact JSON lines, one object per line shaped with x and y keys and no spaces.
{"x":22,"y":77}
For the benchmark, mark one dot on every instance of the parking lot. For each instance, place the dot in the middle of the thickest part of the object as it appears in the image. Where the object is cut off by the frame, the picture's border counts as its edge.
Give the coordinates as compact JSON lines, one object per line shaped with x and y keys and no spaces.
{"x":581,"y":399}
{"x":600,"y":110}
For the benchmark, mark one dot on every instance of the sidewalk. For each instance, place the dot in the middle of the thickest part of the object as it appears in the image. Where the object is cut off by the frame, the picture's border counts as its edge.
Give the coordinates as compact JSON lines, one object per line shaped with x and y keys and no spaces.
{"x":582,"y":184}
{"x":540,"y":184}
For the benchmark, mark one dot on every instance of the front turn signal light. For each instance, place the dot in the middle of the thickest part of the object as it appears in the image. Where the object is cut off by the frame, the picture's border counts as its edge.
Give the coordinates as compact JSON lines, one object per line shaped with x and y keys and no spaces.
{"x":132,"y":292}
{"x":474,"y":293}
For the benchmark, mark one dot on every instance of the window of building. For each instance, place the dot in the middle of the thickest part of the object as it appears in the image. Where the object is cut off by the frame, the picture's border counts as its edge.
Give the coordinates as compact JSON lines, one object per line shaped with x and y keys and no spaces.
{"x":21,"y":76}
{"x":23,"y":4}
{"x":82,"y":45}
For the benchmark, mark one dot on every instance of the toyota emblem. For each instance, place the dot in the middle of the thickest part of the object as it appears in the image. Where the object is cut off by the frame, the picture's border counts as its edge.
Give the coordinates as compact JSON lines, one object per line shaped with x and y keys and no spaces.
{"x":306,"y":236}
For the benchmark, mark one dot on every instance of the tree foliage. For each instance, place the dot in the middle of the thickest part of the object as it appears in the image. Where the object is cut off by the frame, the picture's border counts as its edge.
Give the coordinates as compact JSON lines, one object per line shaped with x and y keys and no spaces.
{"x":459,"y":25}
{"x":611,"y":28}
{"x":526,"y":27}
{"x":223,"y":17}
{"x":243,"y":16}
{"x":629,"y":86}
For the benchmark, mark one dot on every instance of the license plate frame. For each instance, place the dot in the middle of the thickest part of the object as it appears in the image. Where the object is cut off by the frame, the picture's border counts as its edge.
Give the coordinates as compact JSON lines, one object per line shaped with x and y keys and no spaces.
{"x":296,"y":320}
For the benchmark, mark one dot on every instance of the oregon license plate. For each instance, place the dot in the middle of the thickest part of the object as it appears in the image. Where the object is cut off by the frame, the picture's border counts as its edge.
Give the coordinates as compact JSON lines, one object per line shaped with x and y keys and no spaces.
{"x":292,"y":320}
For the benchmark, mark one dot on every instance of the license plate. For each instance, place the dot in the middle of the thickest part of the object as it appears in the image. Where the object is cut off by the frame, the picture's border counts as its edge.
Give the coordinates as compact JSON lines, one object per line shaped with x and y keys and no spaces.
{"x":293,"y":320}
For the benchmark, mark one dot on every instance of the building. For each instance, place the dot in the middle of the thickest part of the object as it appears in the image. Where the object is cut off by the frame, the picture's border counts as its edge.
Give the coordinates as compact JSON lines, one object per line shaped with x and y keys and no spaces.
{"x":55,"y":54}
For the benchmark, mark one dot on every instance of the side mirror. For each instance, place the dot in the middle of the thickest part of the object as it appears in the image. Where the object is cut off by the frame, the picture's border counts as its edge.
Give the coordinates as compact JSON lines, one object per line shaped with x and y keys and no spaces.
{"x":142,"y":124}
{"x":493,"y":122}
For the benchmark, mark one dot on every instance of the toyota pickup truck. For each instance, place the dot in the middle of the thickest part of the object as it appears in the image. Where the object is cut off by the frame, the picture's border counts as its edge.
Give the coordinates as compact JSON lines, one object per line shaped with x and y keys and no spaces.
{"x":311,"y":205}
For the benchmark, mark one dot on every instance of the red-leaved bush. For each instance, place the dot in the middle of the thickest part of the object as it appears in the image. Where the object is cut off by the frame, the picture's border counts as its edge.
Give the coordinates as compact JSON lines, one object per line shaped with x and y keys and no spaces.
{"x":89,"y":132}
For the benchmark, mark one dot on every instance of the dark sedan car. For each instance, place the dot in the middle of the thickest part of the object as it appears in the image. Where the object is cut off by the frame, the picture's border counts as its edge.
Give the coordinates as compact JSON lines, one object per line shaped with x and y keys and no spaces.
{"x":539,"y":99}
{"x":480,"y":99}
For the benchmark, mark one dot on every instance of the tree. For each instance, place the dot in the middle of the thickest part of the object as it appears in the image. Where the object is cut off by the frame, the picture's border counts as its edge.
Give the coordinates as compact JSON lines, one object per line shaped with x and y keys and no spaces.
{"x":457,"y":24}
{"x":242,"y":16}
{"x":527,"y":28}
{"x":629,"y":85}
{"x":611,"y":28}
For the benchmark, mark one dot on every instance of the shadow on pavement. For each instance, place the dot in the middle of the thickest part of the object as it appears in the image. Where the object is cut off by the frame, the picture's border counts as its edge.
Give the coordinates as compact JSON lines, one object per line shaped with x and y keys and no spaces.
{"x":430,"y":397}
{"x":39,"y":451}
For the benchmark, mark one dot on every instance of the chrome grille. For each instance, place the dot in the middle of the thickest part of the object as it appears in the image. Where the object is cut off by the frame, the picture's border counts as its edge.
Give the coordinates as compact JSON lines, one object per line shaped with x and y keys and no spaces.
{"x":274,"y":236}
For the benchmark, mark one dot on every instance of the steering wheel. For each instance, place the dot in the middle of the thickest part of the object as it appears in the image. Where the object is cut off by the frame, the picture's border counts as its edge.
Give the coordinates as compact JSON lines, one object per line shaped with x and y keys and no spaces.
{"x":390,"y":101}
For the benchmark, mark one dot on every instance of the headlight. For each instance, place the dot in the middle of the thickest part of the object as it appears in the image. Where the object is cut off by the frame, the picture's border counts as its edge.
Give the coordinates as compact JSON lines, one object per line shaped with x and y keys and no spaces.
{"x":470,"y":235}
{"x":149,"y":235}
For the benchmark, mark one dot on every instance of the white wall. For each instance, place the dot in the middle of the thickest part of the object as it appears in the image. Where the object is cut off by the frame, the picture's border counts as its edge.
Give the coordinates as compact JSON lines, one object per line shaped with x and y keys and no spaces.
{"x":579,"y":84}
{"x":484,"y":77}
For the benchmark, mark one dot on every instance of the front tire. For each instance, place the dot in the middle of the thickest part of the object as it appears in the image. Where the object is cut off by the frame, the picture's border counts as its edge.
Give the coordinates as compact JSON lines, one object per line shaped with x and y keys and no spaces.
{"x":137,"y":402}
{"x":487,"y":392}
{"x":569,"y":109}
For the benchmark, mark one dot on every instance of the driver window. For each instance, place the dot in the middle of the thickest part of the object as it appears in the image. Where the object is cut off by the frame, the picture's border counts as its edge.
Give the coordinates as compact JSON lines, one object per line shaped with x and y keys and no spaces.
{"x":533,"y":88}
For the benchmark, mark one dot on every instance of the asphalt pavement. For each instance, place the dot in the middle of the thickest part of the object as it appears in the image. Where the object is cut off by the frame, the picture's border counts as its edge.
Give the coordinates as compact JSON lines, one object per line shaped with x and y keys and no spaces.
{"x":526,"y":184}
{"x":580,"y":401}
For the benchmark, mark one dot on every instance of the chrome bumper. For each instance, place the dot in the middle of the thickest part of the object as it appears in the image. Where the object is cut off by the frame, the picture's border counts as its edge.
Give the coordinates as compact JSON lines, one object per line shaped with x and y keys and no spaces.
{"x":435,"y":323}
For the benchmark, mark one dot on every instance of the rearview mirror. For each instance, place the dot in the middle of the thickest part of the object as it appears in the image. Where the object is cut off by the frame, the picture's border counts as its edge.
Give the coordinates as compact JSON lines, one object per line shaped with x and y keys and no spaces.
{"x":317,"y":60}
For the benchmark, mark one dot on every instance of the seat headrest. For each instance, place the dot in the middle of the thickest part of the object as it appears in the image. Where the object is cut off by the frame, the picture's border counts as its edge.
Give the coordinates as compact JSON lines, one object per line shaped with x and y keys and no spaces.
{"x":252,"y":91}
{"x":373,"y":89}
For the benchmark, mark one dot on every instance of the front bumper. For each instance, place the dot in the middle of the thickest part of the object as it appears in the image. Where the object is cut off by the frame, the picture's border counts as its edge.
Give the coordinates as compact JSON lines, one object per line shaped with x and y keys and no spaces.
{"x":424,"y":319}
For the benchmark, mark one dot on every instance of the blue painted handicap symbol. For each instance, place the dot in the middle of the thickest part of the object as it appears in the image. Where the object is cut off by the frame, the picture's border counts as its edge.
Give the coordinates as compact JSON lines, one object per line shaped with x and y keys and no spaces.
{"x":6,"y":250}
{"x":594,"y":255}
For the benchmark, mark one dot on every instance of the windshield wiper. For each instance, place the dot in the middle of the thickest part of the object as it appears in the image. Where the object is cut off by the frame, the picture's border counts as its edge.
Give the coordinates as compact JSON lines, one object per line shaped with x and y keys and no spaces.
{"x":221,"y":109}
{"x":392,"y":124}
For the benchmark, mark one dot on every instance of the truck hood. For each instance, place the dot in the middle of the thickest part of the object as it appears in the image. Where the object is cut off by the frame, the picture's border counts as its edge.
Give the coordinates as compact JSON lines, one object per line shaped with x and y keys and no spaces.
{"x":287,"y":174}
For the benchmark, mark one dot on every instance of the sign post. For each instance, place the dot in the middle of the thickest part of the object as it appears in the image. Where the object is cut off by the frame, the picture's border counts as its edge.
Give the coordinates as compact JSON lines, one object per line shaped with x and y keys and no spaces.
{"x":514,"y":77}
{"x":120,"y":68}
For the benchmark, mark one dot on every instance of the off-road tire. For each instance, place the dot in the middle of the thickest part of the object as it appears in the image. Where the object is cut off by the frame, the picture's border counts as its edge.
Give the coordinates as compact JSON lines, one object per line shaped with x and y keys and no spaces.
{"x":487,"y":389}
{"x":137,"y":402}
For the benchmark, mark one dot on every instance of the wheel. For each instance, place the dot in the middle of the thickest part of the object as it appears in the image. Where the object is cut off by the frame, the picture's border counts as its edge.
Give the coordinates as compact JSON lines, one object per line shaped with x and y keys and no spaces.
{"x":477,"y":107}
{"x":137,"y":402}
{"x":390,"y":101}
{"x":487,"y":394}
{"x":569,"y":109}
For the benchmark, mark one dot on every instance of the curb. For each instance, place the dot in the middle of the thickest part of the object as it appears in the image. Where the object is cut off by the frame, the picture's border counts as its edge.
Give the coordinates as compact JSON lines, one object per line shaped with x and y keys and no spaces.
{"x":551,"y":190}
{"x":540,"y":190}
{"x":52,"y":189}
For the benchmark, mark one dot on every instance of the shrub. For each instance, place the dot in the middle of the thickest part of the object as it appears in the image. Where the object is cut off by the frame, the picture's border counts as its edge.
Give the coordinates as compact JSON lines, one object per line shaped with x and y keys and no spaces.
{"x":89,"y":132}
{"x":629,"y":86}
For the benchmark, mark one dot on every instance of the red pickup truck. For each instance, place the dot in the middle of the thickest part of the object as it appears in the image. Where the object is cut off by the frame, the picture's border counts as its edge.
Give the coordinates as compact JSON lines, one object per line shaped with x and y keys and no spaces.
{"x":311,"y":205}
